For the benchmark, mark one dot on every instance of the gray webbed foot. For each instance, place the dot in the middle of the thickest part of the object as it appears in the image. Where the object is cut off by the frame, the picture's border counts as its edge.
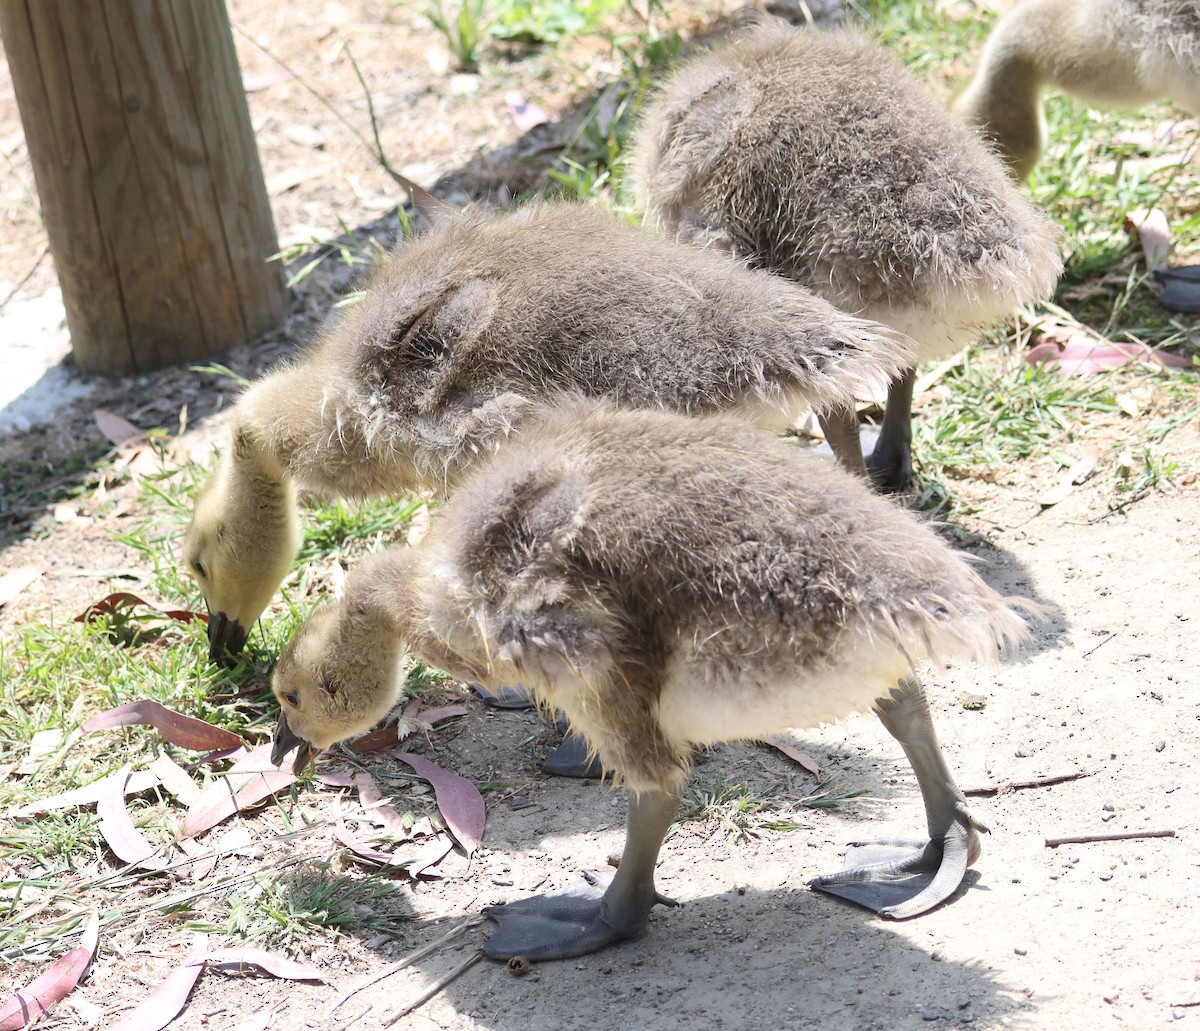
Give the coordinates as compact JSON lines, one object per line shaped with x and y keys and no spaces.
{"x":569,"y":759}
{"x":1181,"y":288}
{"x":914,"y":876}
{"x":573,"y":759}
{"x":902,"y":879}
{"x":558,"y":927}
{"x":890,"y":471}
{"x":562,"y":926}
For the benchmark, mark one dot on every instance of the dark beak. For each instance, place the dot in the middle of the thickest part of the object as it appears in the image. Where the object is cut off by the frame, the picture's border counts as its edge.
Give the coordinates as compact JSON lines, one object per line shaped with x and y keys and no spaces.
{"x":284,"y":741}
{"x":226,"y":638}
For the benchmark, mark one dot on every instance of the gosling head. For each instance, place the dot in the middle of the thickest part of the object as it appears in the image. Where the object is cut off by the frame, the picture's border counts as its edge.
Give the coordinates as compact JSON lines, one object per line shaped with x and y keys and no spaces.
{"x":242,"y":540}
{"x":336,"y":678}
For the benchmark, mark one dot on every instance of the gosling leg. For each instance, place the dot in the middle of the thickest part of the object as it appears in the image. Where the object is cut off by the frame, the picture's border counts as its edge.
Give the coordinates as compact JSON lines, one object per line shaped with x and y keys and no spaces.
{"x":840,"y":426}
{"x":890,"y":464}
{"x":562,"y":926}
{"x":906,"y":878}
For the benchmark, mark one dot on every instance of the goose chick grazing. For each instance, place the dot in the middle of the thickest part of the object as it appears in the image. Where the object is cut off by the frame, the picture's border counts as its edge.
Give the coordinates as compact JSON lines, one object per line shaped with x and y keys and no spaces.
{"x":667,"y":582}
{"x":1112,"y":53}
{"x":816,"y":155}
{"x":466,"y":326}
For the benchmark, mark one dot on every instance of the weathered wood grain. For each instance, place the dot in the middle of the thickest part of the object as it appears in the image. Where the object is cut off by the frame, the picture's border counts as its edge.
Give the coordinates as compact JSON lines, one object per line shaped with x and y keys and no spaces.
{"x":148,"y":176}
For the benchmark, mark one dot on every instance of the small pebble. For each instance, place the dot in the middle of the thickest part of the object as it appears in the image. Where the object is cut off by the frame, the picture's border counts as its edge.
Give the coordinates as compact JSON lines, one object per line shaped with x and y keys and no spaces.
{"x":1020,"y":951}
{"x":1159,"y":746}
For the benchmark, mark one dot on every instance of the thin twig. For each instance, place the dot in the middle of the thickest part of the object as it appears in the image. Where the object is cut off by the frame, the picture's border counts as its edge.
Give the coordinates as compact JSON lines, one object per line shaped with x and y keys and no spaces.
{"x":434,"y":988}
{"x":1100,"y":645}
{"x":1017,"y":785}
{"x":1133,"y":499}
{"x":421,"y":198}
{"x":1084,"y":839}
{"x":412,"y":957}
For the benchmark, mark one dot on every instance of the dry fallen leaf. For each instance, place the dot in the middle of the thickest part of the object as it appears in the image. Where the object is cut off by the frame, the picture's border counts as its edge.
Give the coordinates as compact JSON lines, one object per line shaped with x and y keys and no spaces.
{"x":1082,"y":353}
{"x":1154,"y":234}
{"x":251,"y":780}
{"x":116,"y":428}
{"x":123,"y":599}
{"x":28,"y":1005}
{"x":261,"y":1019}
{"x":458,"y":800}
{"x":276,"y":966}
{"x":117,"y":829}
{"x":376,"y":806}
{"x":366,"y":851}
{"x":176,"y":779}
{"x":166,"y":1002}
{"x":1078,"y":473}
{"x":140,"y":781}
{"x":15,"y":581}
{"x":525,"y":115}
{"x":1128,"y":404}
{"x":181,"y":730}
{"x":792,"y":752}
{"x":43,"y":744}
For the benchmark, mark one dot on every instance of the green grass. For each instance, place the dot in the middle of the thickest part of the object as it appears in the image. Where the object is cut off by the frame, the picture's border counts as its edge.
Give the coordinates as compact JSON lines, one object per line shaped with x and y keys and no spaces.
{"x":990,"y":417}
{"x":741,"y":811}
{"x":310,"y":900}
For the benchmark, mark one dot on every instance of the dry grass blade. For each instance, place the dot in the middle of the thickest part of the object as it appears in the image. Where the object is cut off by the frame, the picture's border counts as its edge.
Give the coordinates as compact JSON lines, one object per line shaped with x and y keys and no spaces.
{"x":419,"y":954}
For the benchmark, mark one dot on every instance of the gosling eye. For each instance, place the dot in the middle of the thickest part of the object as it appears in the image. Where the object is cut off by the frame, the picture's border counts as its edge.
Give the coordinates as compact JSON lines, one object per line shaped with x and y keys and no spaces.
{"x":200,"y":571}
{"x":292,"y":699}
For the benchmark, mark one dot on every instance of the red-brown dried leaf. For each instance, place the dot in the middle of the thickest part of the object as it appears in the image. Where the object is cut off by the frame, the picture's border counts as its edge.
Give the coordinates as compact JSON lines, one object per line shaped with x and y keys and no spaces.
{"x":181,"y":730}
{"x":458,"y":800}
{"x":252,"y":780}
{"x":28,"y":1005}
{"x":444,"y":712}
{"x":376,"y":808}
{"x":123,"y":600}
{"x":792,"y":752}
{"x":276,"y":966}
{"x":1081,"y":353}
{"x":166,"y":1002}
{"x":365,"y":851}
{"x":117,"y":827}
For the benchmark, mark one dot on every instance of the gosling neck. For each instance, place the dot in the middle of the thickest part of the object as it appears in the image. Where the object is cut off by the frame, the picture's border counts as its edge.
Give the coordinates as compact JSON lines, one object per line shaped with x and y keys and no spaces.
{"x":257,"y":479}
{"x":1004,"y":100}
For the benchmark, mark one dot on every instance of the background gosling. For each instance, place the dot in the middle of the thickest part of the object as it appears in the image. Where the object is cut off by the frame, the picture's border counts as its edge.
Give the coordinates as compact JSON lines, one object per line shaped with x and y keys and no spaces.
{"x":1112,"y":53}
{"x":818,"y":156}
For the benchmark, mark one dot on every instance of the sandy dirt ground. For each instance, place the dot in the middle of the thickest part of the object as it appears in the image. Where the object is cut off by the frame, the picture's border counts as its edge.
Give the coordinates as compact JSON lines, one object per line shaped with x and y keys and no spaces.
{"x":1072,"y":937}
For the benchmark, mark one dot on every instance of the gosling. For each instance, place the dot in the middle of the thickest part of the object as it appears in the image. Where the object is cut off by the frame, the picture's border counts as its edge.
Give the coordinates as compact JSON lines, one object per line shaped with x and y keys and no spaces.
{"x":467,"y":326}
{"x":668,"y":583}
{"x":1112,"y":53}
{"x":816,"y":155}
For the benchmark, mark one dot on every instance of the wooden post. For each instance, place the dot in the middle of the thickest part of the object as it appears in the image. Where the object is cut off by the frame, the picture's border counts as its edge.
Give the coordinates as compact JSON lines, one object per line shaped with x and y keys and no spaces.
{"x":149,"y":179}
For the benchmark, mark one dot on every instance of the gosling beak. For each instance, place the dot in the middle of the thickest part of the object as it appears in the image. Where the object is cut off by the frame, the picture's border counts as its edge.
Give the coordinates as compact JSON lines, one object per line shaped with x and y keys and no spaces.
{"x":226,"y":638}
{"x":284,"y":741}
